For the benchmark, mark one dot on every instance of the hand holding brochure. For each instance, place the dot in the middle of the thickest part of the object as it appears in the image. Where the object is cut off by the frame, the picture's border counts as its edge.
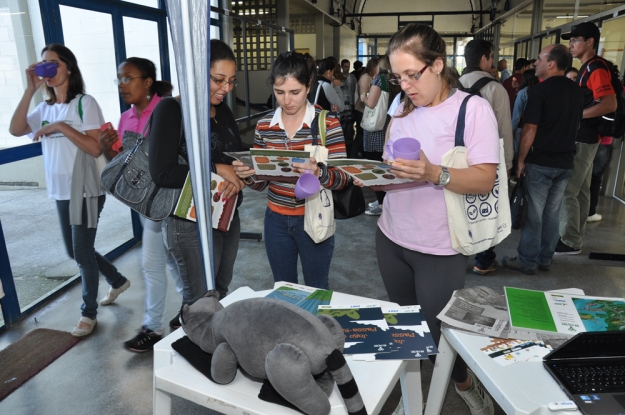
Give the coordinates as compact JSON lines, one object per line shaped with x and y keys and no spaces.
{"x":222,"y":211}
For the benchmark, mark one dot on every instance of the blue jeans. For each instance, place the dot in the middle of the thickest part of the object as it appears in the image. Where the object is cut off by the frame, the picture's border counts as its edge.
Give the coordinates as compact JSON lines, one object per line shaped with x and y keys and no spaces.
{"x":182,"y":240}
{"x":539,"y":235}
{"x":225,"y":248}
{"x":285,"y":239}
{"x":80,"y":245}
{"x":155,"y":259}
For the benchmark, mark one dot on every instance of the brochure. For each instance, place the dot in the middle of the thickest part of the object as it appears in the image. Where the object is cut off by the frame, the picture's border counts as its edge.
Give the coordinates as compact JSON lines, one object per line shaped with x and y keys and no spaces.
{"x":568,"y":314}
{"x":305,"y":297}
{"x":477,"y":309}
{"x":277,"y":165}
{"x":365,"y":328}
{"x":508,"y":351}
{"x":410,"y":334}
{"x":374,"y":174}
{"x":221,"y":212}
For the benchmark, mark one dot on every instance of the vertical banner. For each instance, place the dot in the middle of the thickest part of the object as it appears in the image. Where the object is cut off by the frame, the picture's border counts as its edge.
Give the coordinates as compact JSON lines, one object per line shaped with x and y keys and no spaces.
{"x":189,"y":22}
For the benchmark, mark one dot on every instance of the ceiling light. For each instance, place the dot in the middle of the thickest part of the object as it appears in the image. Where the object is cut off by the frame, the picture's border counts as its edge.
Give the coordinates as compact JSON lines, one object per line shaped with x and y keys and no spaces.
{"x":569,"y":17}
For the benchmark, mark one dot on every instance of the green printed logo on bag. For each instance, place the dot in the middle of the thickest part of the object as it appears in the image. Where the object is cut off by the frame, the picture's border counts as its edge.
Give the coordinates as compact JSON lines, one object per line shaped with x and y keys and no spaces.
{"x":44,"y":123}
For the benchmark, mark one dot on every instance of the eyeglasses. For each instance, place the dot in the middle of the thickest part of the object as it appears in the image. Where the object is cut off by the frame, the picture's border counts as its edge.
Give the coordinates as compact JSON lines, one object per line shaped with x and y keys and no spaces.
{"x":126,"y":79}
{"x":222,"y":82}
{"x":576,"y":39}
{"x":396,"y":80}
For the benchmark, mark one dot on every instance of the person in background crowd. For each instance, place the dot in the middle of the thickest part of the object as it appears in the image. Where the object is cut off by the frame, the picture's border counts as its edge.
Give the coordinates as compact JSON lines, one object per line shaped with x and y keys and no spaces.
{"x":347,"y":116}
{"x":180,"y":235}
{"x":312,"y":67}
{"x":531,"y":62}
{"x":513,"y":83}
{"x":502,"y":66}
{"x":68,"y":123}
{"x":551,"y":121}
{"x":288,"y":127}
{"x":374,"y":140}
{"x":478,"y":54}
{"x":414,"y":251}
{"x":529,"y":80}
{"x":358,"y":69}
{"x":599,"y":164}
{"x":364,"y":84}
{"x":495,"y":73}
{"x":136,"y":79}
{"x":329,"y":96}
{"x":571,"y":73}
{"x":596,"y":81}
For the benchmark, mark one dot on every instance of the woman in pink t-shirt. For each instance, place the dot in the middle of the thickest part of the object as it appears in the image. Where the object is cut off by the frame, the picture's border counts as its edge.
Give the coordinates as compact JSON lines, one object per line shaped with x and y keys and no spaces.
{"x":415,"y":255}
{"x":136,"y":78}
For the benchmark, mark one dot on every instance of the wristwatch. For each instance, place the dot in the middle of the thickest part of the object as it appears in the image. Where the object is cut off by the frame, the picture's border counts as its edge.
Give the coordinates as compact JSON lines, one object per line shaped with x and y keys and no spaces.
{"x":445,"y":177}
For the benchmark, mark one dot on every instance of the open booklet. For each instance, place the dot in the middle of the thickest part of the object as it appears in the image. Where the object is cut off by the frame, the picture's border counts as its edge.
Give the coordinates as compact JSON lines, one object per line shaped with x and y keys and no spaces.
{"x":567,"y":314}
{"x":222,"y":211}
{"x":274,"y":165}
{"x":307,"y":298}
{"x":374,"y":174}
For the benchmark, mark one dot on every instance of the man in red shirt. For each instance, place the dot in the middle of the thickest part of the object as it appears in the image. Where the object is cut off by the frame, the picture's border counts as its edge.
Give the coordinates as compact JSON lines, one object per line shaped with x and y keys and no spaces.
{"x":513,"y":83}
{"x":595,"y":80}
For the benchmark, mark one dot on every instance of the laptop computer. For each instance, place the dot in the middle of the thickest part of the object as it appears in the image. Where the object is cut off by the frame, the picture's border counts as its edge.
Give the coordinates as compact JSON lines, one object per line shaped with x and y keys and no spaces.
{"x":590,"y":368}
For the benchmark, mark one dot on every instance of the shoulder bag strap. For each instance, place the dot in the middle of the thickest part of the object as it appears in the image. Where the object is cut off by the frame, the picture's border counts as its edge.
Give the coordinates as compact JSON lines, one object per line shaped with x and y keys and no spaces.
{"x":80,"y":113}
{"x":461,"y":122}
{"x":322,"y":127}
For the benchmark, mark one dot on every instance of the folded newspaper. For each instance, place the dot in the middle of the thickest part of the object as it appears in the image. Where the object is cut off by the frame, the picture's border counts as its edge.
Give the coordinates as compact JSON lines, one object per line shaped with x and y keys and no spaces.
{"x":477,"y":309}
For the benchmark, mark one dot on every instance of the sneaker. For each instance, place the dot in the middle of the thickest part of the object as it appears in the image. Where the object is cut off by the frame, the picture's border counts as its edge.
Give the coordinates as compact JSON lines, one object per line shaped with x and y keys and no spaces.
{"x":374,"y":204}
{"x":564,"y":249}
{"x":175,"y":322}
{"x":376,"y":211}
{"x":594,"y":218}
{"x":114,"y":293}
{"x":515,"y":265}
{"x":476,"y":398}
{"x":543,"y":267}
{"x":144,"y":341}
{"x":485,"y":271}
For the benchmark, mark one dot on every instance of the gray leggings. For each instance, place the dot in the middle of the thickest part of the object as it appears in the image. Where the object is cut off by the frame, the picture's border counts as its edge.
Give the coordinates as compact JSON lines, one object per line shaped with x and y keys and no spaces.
{"x":406,"y":274}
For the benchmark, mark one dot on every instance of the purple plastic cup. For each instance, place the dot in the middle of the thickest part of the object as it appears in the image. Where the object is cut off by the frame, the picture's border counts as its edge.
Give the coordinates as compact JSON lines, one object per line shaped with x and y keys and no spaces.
{"x":46,"y":69}
{"x":307,"y":185}
{"x":406,"y":148}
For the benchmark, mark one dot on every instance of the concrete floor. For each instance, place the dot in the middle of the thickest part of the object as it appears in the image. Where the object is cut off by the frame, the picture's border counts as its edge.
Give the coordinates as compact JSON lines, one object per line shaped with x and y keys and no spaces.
{"x":98,"y":376}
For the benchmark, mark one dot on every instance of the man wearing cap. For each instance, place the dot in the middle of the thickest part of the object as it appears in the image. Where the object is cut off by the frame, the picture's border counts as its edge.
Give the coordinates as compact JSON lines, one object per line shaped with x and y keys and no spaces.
{"x":600,"y":99}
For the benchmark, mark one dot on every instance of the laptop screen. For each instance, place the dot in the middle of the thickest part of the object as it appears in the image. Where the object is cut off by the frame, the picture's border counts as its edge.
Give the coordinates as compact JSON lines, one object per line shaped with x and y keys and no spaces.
{"x":590,"y":345}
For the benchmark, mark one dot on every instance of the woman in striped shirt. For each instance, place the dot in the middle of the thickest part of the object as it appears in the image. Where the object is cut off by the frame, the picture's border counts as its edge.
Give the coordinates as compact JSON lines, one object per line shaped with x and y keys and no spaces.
{"x":288,"y":128}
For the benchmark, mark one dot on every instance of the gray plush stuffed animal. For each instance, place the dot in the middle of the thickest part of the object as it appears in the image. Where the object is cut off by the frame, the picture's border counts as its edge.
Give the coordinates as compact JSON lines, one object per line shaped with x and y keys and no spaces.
{"x":300,"y":354}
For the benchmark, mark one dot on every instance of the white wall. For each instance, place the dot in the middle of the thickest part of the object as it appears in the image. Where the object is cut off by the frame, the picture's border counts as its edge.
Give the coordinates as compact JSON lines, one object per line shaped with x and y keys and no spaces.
{"x":306,"y":40}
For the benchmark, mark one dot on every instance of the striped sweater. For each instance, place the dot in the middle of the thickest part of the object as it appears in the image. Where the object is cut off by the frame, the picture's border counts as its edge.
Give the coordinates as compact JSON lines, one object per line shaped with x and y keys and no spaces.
{"x":281,"y":196}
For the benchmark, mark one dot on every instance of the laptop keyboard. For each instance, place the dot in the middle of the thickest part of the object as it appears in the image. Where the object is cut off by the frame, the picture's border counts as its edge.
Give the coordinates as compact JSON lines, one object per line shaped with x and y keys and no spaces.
{"x":593,"y":378}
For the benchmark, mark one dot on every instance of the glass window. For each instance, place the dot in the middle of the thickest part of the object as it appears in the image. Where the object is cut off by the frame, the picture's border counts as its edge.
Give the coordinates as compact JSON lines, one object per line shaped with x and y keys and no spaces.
{"x":149,"y":3}
{"x":142,"y":41}
{"x":612,"y":41}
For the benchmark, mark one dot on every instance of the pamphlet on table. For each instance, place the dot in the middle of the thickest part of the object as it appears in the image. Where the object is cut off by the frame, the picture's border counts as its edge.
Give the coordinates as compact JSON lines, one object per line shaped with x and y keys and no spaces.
{"x":508,"y":351}
{"x":364,"y":325}
{"x":477,"y":309}
{"x":222,"y":211}
{"x":307,"y":298}
{"x":567,"y":314}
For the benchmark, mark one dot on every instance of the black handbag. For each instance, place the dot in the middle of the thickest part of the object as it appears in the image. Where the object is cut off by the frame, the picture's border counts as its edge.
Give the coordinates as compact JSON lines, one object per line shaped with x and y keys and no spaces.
{"x":127,"y":177}
{"x":349,"y":202}
{"x":518,"y":204}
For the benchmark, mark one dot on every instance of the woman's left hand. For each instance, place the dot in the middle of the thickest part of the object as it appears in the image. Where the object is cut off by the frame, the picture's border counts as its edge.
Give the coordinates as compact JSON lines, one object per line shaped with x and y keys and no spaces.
{"x":311,"y":166}
{"x":49,"y":129}
{"x":418,"y":170}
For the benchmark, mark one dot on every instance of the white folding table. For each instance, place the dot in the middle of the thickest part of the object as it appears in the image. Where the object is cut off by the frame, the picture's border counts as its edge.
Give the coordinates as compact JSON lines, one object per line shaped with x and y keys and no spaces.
{"x":173,"y":375}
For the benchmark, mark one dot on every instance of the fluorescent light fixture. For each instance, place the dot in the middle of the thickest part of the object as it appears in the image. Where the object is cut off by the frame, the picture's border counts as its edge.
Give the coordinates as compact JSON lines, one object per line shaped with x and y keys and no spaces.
{"x":569,"y":17}
{"x":10,"y":14}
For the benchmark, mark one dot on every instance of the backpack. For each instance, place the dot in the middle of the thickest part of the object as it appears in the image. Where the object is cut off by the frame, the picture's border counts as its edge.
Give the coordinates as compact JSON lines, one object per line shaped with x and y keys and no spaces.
{"x":477,"y":86}
{"x":613,"y":124}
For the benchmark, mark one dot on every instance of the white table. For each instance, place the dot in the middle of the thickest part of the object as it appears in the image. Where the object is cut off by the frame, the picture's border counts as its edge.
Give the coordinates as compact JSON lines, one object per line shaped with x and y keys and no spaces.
{"x":173,"y":375}
{"x":522,"y":388}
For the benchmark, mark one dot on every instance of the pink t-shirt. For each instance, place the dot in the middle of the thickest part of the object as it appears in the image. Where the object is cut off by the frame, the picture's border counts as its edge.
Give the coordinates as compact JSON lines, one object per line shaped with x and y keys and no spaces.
{"x":131,"y":122}
{"x":416,"y":218}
